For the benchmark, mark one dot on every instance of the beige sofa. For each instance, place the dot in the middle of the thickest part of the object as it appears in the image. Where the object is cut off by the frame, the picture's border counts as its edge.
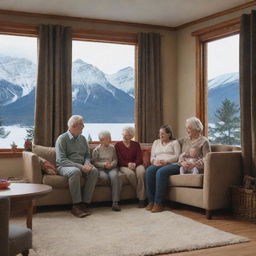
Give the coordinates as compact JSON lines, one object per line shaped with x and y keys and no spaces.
{"x":209,"y":191}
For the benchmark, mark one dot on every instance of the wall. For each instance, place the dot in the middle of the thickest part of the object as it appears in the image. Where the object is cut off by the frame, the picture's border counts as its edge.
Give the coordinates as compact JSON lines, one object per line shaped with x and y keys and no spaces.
{"x":186,"y":68}
{"x":11,"y":167}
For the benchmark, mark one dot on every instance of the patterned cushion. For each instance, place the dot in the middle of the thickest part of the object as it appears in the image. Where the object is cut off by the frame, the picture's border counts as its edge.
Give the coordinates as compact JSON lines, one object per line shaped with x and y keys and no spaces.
{"x":47,"y":167}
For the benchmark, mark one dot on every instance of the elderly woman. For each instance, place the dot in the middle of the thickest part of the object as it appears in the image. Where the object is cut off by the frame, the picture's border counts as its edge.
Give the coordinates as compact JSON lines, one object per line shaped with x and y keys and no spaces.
{"x":105,"y":159}
{"x":164,"y":152}
{"x":130,"y":162}
{"x":194,"y":138}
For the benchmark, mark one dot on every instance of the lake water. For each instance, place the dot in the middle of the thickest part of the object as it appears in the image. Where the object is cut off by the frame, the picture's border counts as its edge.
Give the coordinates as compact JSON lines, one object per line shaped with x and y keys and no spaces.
{"x":18,"y":133}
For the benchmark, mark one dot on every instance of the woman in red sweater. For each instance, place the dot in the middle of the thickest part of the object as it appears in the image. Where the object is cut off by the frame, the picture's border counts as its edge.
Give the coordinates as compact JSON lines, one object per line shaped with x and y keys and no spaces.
{"x":130,"y":162}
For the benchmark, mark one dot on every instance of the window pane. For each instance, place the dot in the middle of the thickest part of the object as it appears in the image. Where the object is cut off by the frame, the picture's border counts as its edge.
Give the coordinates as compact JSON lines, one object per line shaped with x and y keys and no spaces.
{"x":103,"y":86}
{"x":18,"y":67}
{"x":223,"y":91}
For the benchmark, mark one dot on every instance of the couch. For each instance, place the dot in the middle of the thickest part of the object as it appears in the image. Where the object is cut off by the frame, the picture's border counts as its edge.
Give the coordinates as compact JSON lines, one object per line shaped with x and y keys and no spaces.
{"x":209,"y":191}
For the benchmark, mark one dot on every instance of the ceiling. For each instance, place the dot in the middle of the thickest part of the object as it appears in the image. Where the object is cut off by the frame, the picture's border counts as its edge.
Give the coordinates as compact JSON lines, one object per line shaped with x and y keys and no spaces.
{"x":155,"y":12}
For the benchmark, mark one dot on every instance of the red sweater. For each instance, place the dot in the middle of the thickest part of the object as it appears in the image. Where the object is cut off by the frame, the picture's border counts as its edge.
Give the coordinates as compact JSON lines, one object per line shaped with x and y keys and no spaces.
{"x":127,"y":155}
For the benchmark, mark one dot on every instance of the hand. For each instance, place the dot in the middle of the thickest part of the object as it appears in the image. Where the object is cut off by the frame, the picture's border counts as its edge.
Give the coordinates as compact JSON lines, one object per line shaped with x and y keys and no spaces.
{"x":190,"y":165}
{"x":108,"y":165}
{"x":163,"y":162}
{"x":157,"y":163}
{"x":131,"y":166}
{"x":187,"y":165}
{"x":87,"y":167}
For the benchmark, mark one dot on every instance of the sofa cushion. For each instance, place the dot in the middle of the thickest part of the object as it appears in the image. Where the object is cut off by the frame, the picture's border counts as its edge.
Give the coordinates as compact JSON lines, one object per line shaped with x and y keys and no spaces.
{"x":187,"y":180}
{"x":146,"y":157}
{"x":47,"y":153}
{"x":221,"y":148}
{"x":58,"y":181}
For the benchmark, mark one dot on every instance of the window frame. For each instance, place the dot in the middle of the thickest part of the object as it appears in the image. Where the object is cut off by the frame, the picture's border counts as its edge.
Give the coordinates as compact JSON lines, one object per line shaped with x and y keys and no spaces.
{"x":16,"y":29}
{"x":202,"y":37}
{"x":104,"y":36}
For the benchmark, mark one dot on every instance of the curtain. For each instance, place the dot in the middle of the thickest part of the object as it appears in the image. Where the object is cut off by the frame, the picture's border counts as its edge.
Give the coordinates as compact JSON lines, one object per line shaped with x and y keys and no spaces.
{"x":53,"y":91}
{"x":248,"y":92}
{"x":149,"y":89}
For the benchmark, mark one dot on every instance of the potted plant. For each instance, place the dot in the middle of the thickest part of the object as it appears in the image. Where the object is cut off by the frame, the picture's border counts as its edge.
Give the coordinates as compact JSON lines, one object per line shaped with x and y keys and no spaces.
{"x":14,"y":147}
{"x":29,"y":139}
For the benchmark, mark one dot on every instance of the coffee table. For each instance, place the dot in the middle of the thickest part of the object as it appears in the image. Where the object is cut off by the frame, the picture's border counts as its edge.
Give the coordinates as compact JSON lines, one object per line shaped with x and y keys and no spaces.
{"x":22,"y":195}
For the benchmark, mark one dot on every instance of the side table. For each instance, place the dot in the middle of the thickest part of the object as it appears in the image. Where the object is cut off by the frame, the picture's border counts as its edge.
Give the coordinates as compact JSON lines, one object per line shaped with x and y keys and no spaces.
{"x":24,"y":194}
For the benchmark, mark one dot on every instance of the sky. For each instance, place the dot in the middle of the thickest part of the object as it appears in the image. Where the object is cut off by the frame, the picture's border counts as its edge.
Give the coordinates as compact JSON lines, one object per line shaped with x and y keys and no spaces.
{"x":223,"y":56}
{"x":108,"y":57}
{"x":19,"y":47}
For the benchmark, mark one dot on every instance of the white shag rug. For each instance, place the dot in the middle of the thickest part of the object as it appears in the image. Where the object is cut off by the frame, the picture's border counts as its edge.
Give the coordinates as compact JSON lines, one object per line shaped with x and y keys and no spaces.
{"x":131,"y":232}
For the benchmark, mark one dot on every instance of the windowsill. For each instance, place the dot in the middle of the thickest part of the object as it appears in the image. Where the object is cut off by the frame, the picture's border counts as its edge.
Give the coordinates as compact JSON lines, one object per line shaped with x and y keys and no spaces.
{"x":8,"y":153}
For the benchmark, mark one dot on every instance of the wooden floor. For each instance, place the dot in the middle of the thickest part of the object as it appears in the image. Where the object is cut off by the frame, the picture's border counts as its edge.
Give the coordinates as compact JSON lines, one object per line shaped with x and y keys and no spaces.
{"x":226,"y":222}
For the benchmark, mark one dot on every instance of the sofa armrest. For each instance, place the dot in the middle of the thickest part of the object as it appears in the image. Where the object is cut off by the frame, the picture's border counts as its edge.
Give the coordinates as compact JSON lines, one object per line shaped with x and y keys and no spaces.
{"x":221,"y":170}
{"x":31,"y":167}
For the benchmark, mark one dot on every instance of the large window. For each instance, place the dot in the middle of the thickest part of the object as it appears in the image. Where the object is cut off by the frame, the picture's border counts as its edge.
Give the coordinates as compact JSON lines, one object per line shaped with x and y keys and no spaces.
{"x":103,"y":86}
{"x":18,"y":66}
{"x":217,"y":73}
{"x":223,"y":91}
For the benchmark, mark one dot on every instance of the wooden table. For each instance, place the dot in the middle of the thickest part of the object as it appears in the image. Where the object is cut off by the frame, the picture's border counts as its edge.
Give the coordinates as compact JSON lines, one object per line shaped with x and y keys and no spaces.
{"x":22,"y":194}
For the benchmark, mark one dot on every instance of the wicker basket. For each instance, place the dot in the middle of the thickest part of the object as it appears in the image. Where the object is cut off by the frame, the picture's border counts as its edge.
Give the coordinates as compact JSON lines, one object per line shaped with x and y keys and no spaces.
{"x":244,"y":203}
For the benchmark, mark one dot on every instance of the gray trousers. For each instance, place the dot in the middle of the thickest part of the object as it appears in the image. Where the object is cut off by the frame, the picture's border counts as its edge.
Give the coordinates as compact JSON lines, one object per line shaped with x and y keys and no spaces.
{"x":74,"y":175}
{"x":113,"y":177}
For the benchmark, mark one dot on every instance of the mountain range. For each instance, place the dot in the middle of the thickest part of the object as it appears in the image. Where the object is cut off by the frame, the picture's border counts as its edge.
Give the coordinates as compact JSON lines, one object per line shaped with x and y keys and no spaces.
{"x":220,"y":88}
{"x":93,"y":95}
{"x":99,"y":97}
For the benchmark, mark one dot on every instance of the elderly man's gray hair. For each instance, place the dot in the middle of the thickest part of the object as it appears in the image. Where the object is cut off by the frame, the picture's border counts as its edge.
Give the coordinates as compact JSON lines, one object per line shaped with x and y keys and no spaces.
{"x":130,"y":130}
{"x":75,"y":119}
{"x":196,"y":123}
{"x":104,"y":134}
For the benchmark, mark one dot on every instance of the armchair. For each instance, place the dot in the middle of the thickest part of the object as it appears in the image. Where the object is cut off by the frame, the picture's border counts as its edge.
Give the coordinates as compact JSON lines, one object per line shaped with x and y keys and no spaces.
{"x":13,"y":239}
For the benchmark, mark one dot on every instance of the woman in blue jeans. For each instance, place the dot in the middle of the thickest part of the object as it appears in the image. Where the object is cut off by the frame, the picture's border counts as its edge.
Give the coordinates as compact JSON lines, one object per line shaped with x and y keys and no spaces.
{"x":157,"y":174}
{"x":164,"y":152}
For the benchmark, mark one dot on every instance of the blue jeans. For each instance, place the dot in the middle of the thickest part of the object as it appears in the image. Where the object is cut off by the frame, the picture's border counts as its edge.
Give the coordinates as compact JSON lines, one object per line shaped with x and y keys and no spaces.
{"x":157,"y":178}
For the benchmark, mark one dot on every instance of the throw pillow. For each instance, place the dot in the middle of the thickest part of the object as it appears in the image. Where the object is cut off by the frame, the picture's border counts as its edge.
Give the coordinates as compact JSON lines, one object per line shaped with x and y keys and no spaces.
{"x":146,"y":157}
{"x":47,"y":167}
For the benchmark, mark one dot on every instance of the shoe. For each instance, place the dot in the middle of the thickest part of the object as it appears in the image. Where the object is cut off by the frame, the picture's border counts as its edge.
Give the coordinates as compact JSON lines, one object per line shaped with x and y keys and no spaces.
{"x":149,"y":207}
{"x":116,"y":207}
{"x":157,"y":208}
{"x":78,"y":212}
{"x":84,"y":207}
{"x":142,"y":203}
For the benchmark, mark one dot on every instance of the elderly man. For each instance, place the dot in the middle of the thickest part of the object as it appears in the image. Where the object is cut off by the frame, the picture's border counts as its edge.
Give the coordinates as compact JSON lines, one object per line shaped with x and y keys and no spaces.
{"x":73,"y":161}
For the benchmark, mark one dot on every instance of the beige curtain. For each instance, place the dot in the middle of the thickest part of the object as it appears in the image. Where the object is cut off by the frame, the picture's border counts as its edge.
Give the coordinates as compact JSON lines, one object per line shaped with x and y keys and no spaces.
{"x":248,"y":92}
{"x":149,"y":89}
{"x":53,"y":91}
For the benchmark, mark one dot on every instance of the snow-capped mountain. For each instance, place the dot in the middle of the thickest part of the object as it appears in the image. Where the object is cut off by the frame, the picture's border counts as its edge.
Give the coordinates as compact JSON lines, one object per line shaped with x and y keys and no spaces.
{"x":88,"y":75}
{"x":219,"y":88}
{"x":94,"y":97}
{"x":18,"y":71}
{"x":223,"y":79}
{"x":123,"y":79}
